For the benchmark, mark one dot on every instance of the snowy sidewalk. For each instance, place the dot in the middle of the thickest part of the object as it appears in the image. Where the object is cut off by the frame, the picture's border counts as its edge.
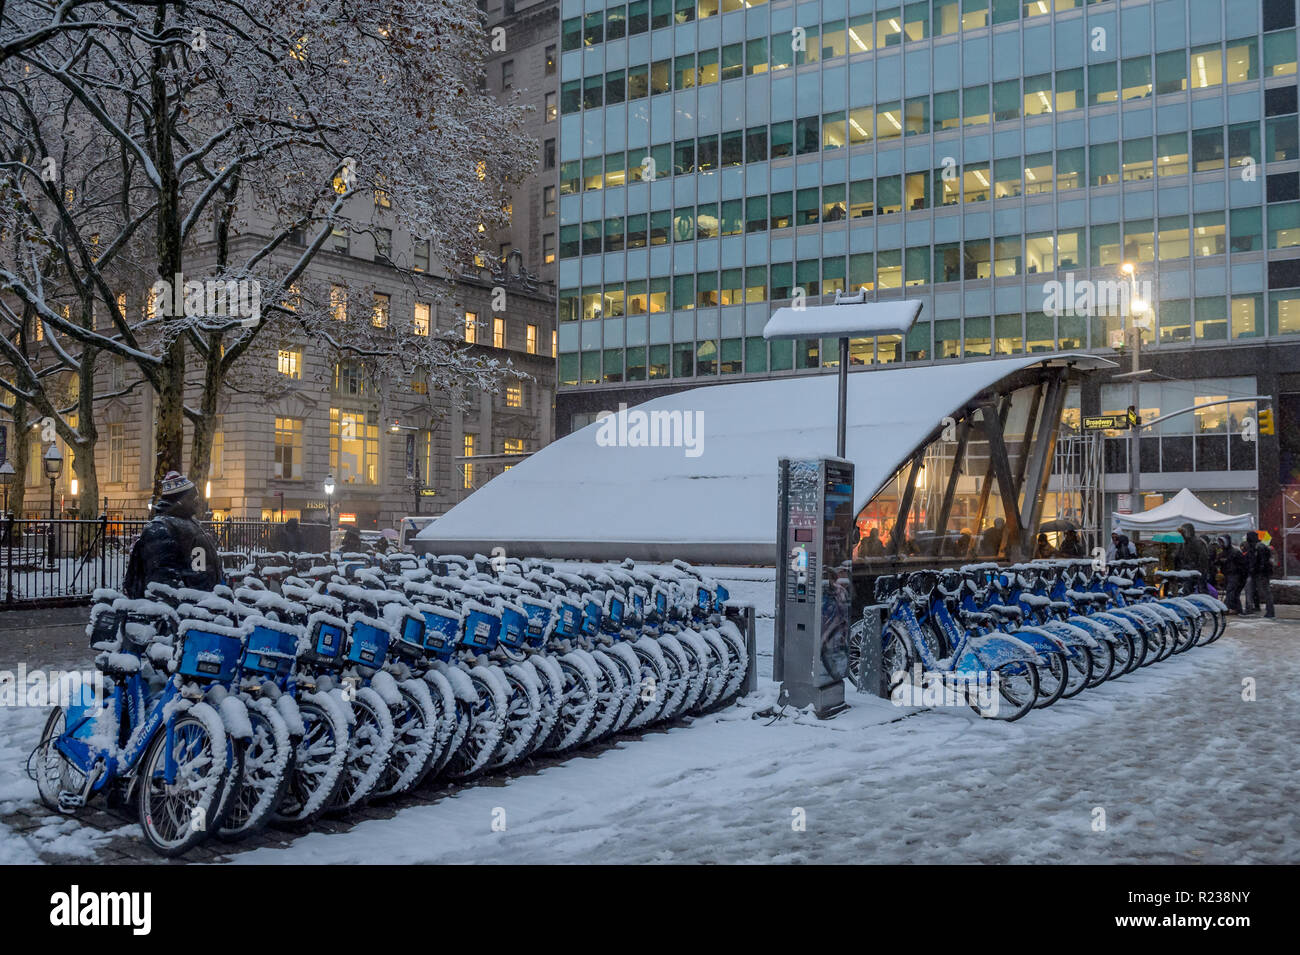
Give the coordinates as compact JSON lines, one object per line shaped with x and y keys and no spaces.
{"x":1184,"y":769}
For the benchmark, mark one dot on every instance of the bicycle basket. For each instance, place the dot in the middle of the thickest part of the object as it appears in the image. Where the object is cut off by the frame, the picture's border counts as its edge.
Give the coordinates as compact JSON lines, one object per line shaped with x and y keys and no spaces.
{"x":325,"y":646}
{"x":208,"y":652}
{"x":614,"y":608}
{"x":270,"y":649}
{"x":661,"y":602}
{"x":482,"y":626}
{"x":886,"y":585}
{"x":441,"y":628}
{"x":569,"y":619}
{"x":367,"y":641}
{"x":591,"y":614}
{"x":638,"y":601}
{"x":104,"y":624}
{"x":412,"y":631}
{"x":514,"y":626}
{"x":539,"y":619}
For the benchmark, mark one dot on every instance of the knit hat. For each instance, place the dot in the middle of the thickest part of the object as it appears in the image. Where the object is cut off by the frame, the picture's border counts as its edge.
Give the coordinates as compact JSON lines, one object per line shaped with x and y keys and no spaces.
{"x":174,"y":484}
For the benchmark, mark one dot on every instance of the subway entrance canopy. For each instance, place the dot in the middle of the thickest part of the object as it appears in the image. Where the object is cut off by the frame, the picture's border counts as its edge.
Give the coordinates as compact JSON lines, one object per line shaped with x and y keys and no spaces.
{"x":693,"y":475}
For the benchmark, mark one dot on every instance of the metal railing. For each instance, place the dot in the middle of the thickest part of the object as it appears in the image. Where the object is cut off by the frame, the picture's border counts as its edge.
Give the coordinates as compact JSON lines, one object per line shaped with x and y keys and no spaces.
{"x":63,"y":561}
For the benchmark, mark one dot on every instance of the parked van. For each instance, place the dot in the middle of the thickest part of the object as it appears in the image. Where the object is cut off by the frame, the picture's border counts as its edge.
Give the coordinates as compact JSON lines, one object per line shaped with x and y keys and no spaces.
{"x":409,"y":527}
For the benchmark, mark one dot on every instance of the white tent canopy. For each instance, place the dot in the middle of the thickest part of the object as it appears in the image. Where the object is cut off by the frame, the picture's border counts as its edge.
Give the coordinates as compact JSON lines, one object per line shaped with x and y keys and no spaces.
{"x":601,"y":493}
{"x":1183,"y":508}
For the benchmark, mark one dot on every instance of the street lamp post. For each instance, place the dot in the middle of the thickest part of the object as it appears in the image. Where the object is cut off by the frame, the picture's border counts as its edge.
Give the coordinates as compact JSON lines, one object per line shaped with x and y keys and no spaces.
{"x":6,"y":478}
{"x":328,"y":487}
{"x":7,"y":475}
{"x":53,"y":462}
{"x":1137,"y":306}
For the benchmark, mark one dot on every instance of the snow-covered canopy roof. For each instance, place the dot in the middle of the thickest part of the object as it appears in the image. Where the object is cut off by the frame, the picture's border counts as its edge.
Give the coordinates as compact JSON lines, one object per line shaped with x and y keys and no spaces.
{"x":713,"y":499}
{"x":1183,"y":508}
{"x":855,"y":319}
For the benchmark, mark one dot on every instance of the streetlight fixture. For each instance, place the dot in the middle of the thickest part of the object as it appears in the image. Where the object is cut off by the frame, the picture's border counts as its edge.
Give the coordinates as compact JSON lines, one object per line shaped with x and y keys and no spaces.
{"x":1137,"y":306}
{"x":413,"y":480}
{"x":53,"y":463}
{"x":328,"y":487}
{"x":7,"y":475}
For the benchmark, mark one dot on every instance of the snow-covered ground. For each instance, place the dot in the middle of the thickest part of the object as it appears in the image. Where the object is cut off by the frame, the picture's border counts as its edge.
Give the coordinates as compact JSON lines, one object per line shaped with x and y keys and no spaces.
{"x":1172,"y":759}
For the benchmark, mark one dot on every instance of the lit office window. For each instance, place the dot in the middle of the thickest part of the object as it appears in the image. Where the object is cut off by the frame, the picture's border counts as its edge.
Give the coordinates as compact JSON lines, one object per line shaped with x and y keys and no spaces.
{"x":288,"y":449}
{"x":467,"y":466}
{"x":354,"y":447}
{"x":289,"y":363}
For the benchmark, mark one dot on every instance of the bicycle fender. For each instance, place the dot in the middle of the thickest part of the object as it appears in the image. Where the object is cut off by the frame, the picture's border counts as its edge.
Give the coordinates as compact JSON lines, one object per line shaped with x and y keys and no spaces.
{"x":289,"y":712}
{"x":989,"y":652}
{"x":1182,"y":607}
{"x":1206,"y":603}
{"x":1070,"y":633}
{"x":1118,"y":621}
{"x":1042,"y":641}
{"x":1097,"y":628}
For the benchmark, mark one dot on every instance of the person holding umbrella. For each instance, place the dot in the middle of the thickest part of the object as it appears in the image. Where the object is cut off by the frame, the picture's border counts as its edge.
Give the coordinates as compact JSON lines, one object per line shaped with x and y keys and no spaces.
{"x":1072,"y":545}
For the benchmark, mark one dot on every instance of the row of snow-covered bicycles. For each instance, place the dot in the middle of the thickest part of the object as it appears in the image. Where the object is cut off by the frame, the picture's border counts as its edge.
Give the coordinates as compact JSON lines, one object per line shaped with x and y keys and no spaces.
{"x":1032,"y":633}
{"x":307,"y":685}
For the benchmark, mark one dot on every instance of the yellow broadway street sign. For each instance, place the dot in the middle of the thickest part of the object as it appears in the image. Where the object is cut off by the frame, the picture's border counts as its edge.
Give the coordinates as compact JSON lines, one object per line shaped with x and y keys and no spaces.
{"x":1105,"y":422}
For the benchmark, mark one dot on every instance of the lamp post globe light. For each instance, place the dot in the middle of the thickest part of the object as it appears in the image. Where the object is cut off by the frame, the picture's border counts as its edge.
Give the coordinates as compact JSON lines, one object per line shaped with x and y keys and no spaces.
{"x":7,"y":475}
{"x":328,"y":488}
{"x":53,"y":463}
{"x":1140,"y":313}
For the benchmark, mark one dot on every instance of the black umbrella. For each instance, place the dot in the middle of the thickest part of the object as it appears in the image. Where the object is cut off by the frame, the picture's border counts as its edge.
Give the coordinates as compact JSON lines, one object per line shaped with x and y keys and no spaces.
{"x":1060,"y":524}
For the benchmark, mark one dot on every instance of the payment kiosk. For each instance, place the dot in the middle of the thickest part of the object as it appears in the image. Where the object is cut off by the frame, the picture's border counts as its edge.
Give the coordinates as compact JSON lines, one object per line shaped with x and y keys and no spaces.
{"x":814,"y":586}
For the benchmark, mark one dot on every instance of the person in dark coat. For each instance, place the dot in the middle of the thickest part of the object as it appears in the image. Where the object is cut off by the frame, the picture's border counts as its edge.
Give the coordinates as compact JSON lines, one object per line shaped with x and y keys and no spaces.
{"x":1072,"y":546}
{"x":1259,"y":560}
{"x":173,"y":549}
{"x":1044,"y":550}
{"x":963,"y":544}
{"x":351,"y":541}
{"x":1233,"y":564}
{"x":991,"y":539}
{"x":1121,"y":548}
{"x":1192,"y":554}
{"x":291,"y":536}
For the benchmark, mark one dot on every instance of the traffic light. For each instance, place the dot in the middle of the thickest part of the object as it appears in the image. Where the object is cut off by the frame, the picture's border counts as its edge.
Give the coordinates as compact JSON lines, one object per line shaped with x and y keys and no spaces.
{"x":1265,"y":419}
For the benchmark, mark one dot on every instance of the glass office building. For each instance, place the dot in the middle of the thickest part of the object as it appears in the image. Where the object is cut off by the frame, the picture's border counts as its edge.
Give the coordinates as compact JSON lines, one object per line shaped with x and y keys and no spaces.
{"x":719,"y":158}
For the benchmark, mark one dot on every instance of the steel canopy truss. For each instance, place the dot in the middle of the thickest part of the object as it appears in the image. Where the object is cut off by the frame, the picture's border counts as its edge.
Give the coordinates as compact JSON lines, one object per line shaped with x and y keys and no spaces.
{"x":979,"y":458}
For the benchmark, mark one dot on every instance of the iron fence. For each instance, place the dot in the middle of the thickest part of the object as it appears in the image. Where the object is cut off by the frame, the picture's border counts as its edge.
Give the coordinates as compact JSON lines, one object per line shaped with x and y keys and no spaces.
{"x":63,"y":561}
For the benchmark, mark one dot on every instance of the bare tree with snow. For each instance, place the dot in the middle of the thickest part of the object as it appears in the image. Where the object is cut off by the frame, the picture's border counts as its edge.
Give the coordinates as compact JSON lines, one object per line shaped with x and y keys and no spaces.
{"x":244,"y":135}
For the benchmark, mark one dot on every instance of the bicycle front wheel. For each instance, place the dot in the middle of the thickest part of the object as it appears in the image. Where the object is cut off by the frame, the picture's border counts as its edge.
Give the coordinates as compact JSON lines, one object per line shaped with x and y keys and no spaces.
{"x":175,"y":816}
